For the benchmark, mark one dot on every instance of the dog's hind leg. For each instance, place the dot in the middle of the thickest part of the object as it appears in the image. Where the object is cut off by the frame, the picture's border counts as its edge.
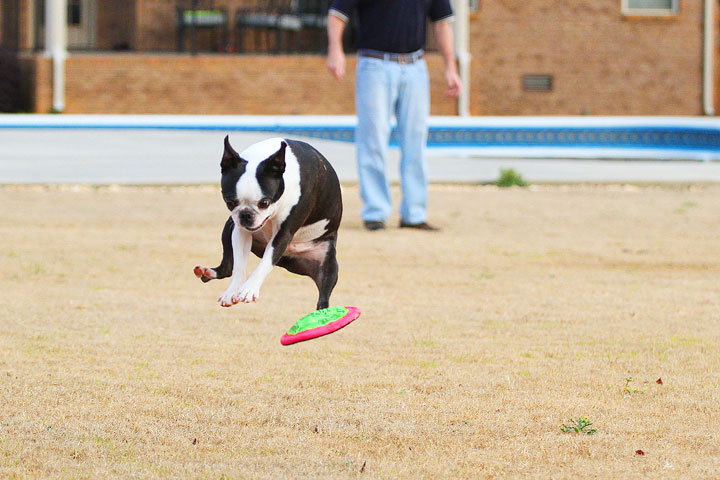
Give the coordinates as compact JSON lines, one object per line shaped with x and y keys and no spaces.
{"x":323,"y":271}
{"x":326,"y":276}
{"x":225,"y":268}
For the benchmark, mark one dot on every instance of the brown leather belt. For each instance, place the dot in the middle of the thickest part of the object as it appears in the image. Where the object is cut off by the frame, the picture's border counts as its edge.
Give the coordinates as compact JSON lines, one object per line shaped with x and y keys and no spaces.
{"x":403,"y":58}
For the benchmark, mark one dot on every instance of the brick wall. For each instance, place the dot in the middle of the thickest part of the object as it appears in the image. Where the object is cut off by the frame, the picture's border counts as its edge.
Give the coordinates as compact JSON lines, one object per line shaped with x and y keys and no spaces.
{"x":27,"y":11}
{"x":203,"y":84}
{"x":209,"y":84}
{"x":603,"y":63}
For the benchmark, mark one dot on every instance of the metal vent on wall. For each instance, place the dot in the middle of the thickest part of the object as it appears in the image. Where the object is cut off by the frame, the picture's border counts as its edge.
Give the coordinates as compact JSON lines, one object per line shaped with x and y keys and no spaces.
{"x":537,"y":83}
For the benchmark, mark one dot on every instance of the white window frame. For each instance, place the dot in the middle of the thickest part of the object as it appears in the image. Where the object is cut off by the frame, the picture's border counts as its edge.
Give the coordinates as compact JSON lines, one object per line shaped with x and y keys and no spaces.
{"x":659,"y":12}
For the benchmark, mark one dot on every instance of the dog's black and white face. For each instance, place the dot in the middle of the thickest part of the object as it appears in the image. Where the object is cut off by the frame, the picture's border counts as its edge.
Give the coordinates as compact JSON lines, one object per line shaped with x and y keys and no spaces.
{"x":252,"y":188}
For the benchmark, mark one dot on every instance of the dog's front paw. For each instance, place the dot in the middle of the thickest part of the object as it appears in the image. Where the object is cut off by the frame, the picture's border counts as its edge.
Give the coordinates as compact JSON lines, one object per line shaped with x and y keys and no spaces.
{"x":233,"y":295}
{"x":230,"y":297}
{"x":204,"y":273}
{"x":249,"y":292}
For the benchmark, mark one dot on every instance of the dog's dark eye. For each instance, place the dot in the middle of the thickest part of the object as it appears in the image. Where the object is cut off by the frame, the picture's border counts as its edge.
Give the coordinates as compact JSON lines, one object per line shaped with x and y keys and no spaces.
{"x":264,"y":203}
{"x":231,"y":204}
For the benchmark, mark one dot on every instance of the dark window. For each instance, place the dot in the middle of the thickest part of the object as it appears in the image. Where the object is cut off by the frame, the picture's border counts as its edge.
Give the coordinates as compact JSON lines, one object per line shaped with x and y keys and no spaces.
{"x":537,"y":83}
{"x":650,"y":7}
{"x":74,"y":12}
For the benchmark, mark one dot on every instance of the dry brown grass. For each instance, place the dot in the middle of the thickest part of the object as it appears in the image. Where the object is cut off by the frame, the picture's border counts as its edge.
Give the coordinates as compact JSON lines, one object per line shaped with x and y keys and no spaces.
{"x":475,"y":345}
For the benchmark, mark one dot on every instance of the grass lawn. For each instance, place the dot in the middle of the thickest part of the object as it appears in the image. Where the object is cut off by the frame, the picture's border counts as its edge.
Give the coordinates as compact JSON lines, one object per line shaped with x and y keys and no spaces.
{"x":532,"y":308}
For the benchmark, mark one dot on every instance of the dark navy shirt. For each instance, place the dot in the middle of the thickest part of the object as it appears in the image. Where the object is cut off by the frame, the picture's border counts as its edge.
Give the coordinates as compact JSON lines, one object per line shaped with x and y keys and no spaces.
{"x":396,"y":26}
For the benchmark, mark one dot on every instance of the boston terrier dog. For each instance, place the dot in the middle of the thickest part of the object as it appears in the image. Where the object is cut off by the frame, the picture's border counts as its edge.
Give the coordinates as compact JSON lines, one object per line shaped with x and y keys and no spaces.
{"x":285,"y":205}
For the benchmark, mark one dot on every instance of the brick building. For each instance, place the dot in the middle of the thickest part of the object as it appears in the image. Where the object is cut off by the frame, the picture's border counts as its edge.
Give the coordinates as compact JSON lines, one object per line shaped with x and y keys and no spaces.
{"x":529,"y":57}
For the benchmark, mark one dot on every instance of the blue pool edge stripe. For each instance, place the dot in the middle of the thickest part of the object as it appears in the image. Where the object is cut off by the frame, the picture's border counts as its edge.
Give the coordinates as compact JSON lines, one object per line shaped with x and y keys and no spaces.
{"x":695,"y":138}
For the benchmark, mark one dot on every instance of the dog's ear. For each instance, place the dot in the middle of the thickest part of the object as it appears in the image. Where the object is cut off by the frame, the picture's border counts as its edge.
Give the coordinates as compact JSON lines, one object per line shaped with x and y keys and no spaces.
{"x":230,"y":159}
{"x":275,"y":164}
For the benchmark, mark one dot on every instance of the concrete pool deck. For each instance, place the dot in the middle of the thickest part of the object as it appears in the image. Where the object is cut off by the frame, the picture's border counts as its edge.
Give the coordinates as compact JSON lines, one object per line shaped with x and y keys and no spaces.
{"x":37,"y":154}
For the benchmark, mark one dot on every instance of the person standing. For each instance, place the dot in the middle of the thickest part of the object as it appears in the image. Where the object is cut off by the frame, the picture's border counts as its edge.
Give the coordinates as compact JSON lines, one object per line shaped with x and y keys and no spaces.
{"x":392,"y":79}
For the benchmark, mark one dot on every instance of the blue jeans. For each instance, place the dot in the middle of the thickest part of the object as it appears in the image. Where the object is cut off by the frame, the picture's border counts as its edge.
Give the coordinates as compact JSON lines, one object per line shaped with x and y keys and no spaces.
{"x":385,"y":88}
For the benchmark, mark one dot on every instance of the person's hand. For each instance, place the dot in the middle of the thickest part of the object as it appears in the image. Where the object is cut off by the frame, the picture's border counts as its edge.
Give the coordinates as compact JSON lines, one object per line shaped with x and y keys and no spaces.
{"x":453,"y":82}
{"x":336,"y":64}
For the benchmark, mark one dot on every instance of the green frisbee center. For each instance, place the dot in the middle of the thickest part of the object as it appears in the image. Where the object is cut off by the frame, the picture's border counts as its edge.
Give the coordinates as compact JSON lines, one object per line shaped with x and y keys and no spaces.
{"x":317,"y":319}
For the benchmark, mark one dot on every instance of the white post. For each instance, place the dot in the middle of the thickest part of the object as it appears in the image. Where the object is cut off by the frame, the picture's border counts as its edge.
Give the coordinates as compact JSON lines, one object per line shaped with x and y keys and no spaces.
{"x":56,"y":47}
{"x":462,"y":51}
{"x":708,"y":57}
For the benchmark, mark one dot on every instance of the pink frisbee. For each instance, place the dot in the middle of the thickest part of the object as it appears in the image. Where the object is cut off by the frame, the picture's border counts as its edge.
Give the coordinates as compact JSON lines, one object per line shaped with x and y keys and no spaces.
{"x":319,"y":323}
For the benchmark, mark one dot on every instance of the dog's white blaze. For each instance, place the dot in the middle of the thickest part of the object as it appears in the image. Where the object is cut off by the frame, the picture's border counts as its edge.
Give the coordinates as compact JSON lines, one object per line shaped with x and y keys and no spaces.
{"x":248,"y":188}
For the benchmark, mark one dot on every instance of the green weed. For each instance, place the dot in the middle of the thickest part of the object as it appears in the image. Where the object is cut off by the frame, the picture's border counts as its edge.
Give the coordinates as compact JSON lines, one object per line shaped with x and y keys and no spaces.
{"x":510,"y":178}
{"x":630,"y":391}
{"x":578,"y":426}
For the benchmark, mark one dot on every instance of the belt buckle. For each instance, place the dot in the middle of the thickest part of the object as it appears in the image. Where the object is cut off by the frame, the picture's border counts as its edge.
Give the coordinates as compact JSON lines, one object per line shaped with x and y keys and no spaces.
{"x":404,"y":59}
